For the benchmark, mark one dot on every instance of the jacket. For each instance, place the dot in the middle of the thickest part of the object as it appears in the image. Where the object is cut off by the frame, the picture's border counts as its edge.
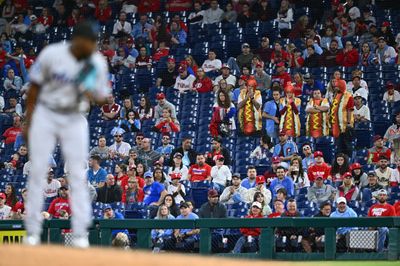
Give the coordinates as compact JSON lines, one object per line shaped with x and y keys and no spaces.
{"x":217,"y":211}
{"x":191,"y":153}
{"x":108,"y":194}
{"x":347,"y":59}
{"x":319,"y":195}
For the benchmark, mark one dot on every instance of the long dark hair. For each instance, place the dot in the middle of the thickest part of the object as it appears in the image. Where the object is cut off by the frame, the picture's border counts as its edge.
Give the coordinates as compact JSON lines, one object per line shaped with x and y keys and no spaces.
{"x":147,"y":105}
{"x":340,"y":169}
{"x":13,"y":195}
{"x":227,"y":102}
{"x":256,"y":195}
{"x":163,"y":178}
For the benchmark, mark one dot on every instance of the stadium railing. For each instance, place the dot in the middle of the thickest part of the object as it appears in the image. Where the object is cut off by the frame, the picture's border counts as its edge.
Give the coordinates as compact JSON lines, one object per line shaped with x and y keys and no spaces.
{"x":101,"y":234}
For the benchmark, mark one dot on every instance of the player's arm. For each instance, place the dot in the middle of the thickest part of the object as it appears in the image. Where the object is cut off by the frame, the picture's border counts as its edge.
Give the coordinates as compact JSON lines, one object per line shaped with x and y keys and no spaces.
{"x":31,"y":100}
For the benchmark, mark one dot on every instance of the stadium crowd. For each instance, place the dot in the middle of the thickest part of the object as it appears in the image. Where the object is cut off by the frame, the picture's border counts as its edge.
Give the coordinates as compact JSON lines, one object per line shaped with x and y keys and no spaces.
{"x":196,"y":84}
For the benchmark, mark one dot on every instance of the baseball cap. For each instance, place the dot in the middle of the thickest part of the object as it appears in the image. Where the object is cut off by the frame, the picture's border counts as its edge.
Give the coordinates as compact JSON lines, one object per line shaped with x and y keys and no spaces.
{"x":184,"y":205}
{"x":219,"y":157}
{"x":318,"y":154}
{"x":225,"y":66}
{"x":178,"y":154}
{"x":347,"y":174}
{"x":106,"y":206}
{"x":282,"y":133}
{"x":245,"y":45}
{"x":377,"y":137}
{"x":148,"y":174}
{"x":280,"y":64}
{"x":160,"y":96}
{"x":3,"y":196}
{"x":32,"y":17}
{"x":357,"y":94}
{"x":236,"y":175}
{"x":171,"y":60}
{"x":175,"y":175}
{"x":308,"y":76}
{"x":385,"y":24}
{"x":382,"y":191}
{"x":256,"y":204}
{"x":355,"y":166}
{"x":389,"y":85}
{"x":182,"y":69}
{"x":341,"y":200}
{"x":64,"y":187}
{"x":382,"y":157}
{"x":130,"y":40}
{"x":371,"y":173}
{"x":260,"y":179}
{"x":212,"y":193}
{"x":276,"y":159}
{"x":157,"y":163}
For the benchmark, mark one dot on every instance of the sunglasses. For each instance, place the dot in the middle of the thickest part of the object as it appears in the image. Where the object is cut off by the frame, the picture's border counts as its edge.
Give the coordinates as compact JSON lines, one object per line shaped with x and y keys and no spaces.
{"x":139,"y":138}
{"x":118,"y":136}
{"x":166,"y":138}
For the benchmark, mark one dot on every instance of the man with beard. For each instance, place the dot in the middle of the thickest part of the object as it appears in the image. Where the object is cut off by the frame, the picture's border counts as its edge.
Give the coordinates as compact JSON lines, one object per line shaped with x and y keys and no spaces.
{"x":199,"y":171}
{"x":218,"y":149}
{"x":382,"y":209}
{"x":386,"y":176}
{"x":189,"y":155}
{"x":235,"y":193}
{"x":377,"y":150}
{"x":392,"y":136}
{"x":329,"y":56}
{"x":168,"y":77}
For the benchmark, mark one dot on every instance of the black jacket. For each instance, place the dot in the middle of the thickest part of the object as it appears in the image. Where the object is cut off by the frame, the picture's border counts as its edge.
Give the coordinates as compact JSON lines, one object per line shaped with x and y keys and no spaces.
{"x":224,"y":152}
{"x":111,"y":194}
{"x":192,"y":155}
{"x":208,"y":211}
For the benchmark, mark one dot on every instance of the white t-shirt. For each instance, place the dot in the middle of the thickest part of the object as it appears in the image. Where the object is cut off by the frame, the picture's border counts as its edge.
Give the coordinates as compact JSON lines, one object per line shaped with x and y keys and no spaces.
{"x":184,"y":84}
{"x":392,"y":98}
{"x":221,"y":174}
{"x":231,"y":80}
{"x":123,"y":148}
{"x":211,"y":65}
{"x":363,"y":111}
{"x":183,"y":171}
{"x":56,"y":70}
{"x":5,"y":212}
{"x":178,"y":198}
{"x":389,"y":175}
{"x":51,"y":190}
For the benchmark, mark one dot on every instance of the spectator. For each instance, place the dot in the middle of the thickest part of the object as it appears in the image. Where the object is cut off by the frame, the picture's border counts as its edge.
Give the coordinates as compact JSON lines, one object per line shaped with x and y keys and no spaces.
{"x":163,"y":103}
{"x":211,"y":65}
{"x":110,"y":192}
{"x":250,"y":180}
{"x":103,"y":12}
{"x":342,"y":118}
{"x":296,"y":172}
{"x":168,"y":201}
{"x":387,"y":33}
{"x":293,"y":235}
{"x":329,"y":55}
{"x":312,"y":84}
{"x":285,"y":149}
{"x":384,"y":54}
{"x":147,"y":155}
{"x":348,"y":190}
{"x":366,"y":56}
{"x":122,"y":28}
{"x":186,"y":237}
{"x":213,"y":208}
{"x":11,"y":195}
{"x":284,"y":18}
{"x":313,"y":59}
{"x":200,"y":171}
{"x":279,"y":209}
{"x":342,"y":211}
{"x":242,"y":60}
{"x":145,"y":110}
{"x":262,"y":78}
{"x":272,"y":114}
{"x":226,"y":76}
{"x":295,"y":59}
{"x":249,"y":103}
{"x":160,"y":237}
{"x":393,"y":138}
{"x":346,"y":27}
{"x":168,"y":76}
{"x":213,"y":14}
{"x":377,"y":150}
{"x":340,"y":166}
{"x":246,"y":16}
{"x":250,"y":235}
{"x":360,"y":178}
{"x":308,"y":158}
{"x":18,"y":212}
{"x":299,"y":29}
{"x":387,"y":176}
{"x":348,"y":57}
{"x":382,"y":209}
{"x":280,"y":181}
{"x":96,"y":174}
{"x":176,"y":189}
{"x":167,"y":124}
{"x":289,"y":111}
{"x":143,"y":61}
{"x":5,"y":210}
{"x":120,"y":148}
{"x":218,"y":149}
{"x":391,"y":95}
{"x":281,"y":76}
{"x":60,"y":208}
{"x":160,"y":176}
{"x":178,"y":35}
{"x":260,"y":187}
{"x":120,"y":175}
{"x":317,"y":115}
{"x":12,"y":82}
{"x":317,"y":49}
{"x":356,"y":87}
{"x":166,"y":148}
{"x":186,"y":151}
{"x":184,"y":82}
{"x":220,"y":173}
{"x":202,"y":84}
{"x":320,"y":168}
{"x":264,"y":52}
{"x":197,"y":16}
{"x":326,"y":41}
{"x":141,"y":30}
{"x":262,"y":152}
{"x":373,"y":186}
{"x":320,"y":192}
{"x":110,"y":111}
{"x":51,"y":188}
{"x":361,"y":111}
{"x":178,"y":167}
{"x":234,"y":193}
{"x":154,"y":192}
{"x":13,"y":106}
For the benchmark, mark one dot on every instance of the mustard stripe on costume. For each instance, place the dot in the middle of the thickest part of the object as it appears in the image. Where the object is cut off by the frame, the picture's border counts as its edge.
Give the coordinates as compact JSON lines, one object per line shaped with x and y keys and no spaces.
{"x":290,"y":120}
{"x":318,"y":121}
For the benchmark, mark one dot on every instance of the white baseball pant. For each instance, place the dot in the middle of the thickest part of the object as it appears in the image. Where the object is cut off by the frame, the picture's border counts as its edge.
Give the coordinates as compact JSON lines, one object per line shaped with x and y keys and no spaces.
{"x":71,"y":130}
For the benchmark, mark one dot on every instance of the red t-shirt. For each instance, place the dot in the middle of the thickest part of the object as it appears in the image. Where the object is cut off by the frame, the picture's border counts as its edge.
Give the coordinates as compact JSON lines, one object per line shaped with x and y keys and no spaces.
{"x":203,"y":85}
{"x":111,"y":108}
{"x":103,"y":15}
{"x":374,"y":154}
{"x":161,"y":52}
{"x":396,"y":207}
{"x":275,"y":215}
{"x":198,"y":173}
{"x":3,"y":58}
{"x":318,"y":170}
{"x":18,"y":206}
{"x":10,"y":134}
{"x":147,"y":6}
{"x":283,"y":78}
{"x":57,"y":205}
{"x":378,"y":210}
{"x":46,"y":21}
{"x":176,"y":5}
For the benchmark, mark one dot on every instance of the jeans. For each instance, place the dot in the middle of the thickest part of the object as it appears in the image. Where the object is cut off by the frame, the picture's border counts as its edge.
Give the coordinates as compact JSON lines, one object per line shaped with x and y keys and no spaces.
{"x":383,"y":232}
{"x":242,"y":241}
{"x":234,"y":66}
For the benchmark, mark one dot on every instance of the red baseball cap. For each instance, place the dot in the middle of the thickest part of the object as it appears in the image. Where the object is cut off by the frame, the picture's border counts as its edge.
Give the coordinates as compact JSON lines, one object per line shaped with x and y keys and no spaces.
{"x":225,"y":66}
{"x":130,"y":40}
{"x":355,"y":166}
{"x":377,"y":137}
{"x":260,"y":179}
{"x":182,"y":68}
{"x":212,"y":193}
{"x":282,"y":133}
{"x":276,"y":159}
{"x":289,"y":88}
{"x":340,"y":9}
{"x":318,"y":154}
{"x":280,"y":64}
{"x":347,"y":174}
{"x":389,"y":85}
{"x":160,"y":96}
{"x":171,"y":60}
{"x":385,"y":24}
{"x":175,"y":175}
{"x":219,"y":157}
{"x":335,"y":2}
{"x":3,"y":196}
